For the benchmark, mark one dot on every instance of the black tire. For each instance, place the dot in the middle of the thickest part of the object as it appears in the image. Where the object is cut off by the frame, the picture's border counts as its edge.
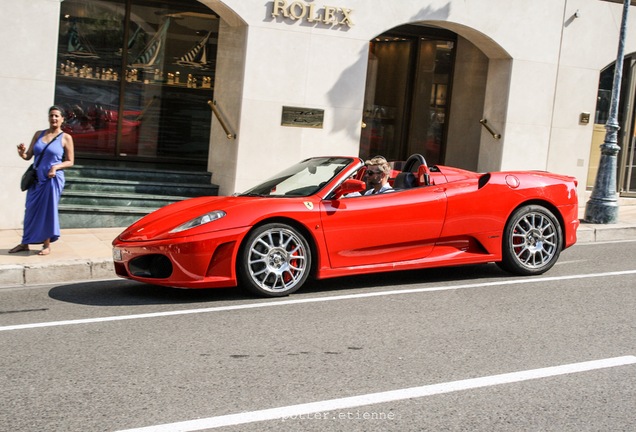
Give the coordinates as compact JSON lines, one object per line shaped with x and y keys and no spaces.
{"x":275,"y":260}
{"x":532,"y":241}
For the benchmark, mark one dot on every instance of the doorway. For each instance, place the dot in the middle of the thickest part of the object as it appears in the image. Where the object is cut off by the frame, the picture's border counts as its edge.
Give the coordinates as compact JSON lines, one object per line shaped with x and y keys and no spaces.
{"x":406,"y":105}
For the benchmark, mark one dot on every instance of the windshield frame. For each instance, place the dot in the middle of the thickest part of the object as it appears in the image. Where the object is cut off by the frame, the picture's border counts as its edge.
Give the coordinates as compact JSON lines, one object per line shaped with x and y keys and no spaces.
{"x":302,"y":179}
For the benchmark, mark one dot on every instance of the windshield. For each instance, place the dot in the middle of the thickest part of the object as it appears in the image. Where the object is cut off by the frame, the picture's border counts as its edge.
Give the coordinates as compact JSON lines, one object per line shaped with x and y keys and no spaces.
{"x":303,"y":179}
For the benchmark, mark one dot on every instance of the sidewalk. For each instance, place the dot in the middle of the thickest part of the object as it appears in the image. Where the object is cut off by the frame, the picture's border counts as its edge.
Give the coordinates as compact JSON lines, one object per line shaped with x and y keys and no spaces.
{"x":85,"y":254}
{"x":79,"y":255}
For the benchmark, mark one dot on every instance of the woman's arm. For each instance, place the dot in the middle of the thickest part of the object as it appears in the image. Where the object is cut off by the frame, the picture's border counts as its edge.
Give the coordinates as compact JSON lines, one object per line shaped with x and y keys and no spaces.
{"x":25,"y":153}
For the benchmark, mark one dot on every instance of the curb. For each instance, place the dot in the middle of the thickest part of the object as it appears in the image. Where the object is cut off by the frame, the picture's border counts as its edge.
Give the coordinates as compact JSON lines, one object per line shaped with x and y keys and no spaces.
{"x":590,"y":233}
{"x":12,"y":275}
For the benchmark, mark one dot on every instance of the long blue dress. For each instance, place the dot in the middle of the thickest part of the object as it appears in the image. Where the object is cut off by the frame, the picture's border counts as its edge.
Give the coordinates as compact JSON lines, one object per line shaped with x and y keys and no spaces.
{"x":41,"y":220}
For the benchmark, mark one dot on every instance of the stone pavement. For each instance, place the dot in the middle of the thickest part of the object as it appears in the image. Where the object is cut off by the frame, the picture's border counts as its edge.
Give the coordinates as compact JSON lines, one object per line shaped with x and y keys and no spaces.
{"x":79,"y":255}
{"x":85,"y":254}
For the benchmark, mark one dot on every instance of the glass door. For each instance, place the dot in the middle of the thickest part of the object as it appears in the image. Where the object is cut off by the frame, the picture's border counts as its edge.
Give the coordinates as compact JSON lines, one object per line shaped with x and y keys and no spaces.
{"x":385,"y":98}
{"x":88,"y":78}
{"x":430,"y":99}
{"x":169,"y":70}
{"x":407,"y":94}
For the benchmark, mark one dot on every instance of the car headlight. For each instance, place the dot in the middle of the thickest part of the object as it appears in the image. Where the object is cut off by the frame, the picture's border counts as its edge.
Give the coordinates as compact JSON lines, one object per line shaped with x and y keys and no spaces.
{"x":200,"y":220}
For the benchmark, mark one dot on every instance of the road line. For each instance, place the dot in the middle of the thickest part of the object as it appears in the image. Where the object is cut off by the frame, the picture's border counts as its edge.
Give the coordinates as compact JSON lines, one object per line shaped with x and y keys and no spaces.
{"x":323,"y":407}
{"x":273,"y":303}
{"x":571,"y":262}
{"x":603,"y":242}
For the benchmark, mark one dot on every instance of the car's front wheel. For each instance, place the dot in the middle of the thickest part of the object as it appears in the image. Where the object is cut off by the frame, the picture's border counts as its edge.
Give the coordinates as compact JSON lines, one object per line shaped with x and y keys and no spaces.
{"x":532,"y":241}
{"x":275,"y":260}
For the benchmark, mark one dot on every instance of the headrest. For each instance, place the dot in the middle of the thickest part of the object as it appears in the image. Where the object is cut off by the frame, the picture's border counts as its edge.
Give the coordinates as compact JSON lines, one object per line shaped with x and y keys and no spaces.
{"x":405,"y":180}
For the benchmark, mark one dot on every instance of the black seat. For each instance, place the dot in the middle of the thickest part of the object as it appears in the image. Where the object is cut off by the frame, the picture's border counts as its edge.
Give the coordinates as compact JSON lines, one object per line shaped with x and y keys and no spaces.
{"x":405,"y":180}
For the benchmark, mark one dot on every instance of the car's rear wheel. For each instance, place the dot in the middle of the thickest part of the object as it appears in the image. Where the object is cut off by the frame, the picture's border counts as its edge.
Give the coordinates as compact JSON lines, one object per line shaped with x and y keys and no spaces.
{"x":275,"y":260}
{"x":532,"y":241}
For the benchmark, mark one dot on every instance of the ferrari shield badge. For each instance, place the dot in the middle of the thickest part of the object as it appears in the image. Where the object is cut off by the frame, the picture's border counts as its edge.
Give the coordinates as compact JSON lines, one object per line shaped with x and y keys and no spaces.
{"x":309,"y":205}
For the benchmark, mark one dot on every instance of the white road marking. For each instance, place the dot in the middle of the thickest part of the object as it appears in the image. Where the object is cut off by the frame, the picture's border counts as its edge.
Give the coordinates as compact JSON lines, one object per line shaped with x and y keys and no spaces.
{"x":596,"y":243}
{"x":273,"y":303}
{"x":571,"y":262}
{"x":289,"y":412}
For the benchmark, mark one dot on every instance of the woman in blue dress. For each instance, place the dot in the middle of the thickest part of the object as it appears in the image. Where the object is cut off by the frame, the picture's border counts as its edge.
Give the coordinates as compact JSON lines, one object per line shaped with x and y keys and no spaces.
{"x":41,"y":219}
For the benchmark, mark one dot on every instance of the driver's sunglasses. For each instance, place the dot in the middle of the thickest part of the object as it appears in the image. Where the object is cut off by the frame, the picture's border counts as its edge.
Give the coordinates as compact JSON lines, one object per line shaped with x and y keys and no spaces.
{"x":371,"y":172}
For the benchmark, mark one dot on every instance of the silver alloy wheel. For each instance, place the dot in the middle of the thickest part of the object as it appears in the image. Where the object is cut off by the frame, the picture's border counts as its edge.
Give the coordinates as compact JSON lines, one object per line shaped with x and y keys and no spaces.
{"x":535,"y":240}
{"x":277,"y":259}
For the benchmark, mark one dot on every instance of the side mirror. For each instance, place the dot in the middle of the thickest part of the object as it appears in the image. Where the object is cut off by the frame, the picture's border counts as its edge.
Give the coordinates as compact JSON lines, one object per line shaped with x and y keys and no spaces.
{"x":350,"y":186}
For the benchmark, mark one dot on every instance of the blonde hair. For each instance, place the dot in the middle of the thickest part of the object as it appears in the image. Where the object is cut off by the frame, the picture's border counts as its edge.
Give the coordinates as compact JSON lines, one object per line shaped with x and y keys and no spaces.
{"x":381,"y":163}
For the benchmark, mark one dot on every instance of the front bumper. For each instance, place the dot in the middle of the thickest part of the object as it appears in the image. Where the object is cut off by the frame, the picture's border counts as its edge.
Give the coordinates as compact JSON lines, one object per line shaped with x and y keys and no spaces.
{"x":203,"y":261}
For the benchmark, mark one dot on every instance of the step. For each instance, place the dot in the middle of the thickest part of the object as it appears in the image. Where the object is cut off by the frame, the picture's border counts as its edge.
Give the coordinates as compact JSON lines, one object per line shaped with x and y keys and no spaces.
{"x":140,"y":187}
{"x":138,"y":174}
{"x":112,"y":199}
{"x":79,"y":216}
{"x":96,"y":195}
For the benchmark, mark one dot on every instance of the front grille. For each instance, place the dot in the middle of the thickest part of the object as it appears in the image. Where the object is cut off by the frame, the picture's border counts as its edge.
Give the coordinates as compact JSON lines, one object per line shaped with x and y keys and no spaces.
{"x":151,"y":266}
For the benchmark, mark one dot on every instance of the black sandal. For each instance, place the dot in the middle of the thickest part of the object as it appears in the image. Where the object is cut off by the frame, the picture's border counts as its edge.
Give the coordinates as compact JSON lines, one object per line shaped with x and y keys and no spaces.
{"x":19,"y":248}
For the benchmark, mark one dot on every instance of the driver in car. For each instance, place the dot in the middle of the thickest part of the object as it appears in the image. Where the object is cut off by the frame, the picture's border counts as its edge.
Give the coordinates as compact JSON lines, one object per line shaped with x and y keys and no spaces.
{"x":376,"y":177}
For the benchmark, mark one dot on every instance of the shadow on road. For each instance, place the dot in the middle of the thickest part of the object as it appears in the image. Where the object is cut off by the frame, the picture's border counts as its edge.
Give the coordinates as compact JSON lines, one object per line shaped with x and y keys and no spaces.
{"x":130,"y":293}
{"x":404,"y":279}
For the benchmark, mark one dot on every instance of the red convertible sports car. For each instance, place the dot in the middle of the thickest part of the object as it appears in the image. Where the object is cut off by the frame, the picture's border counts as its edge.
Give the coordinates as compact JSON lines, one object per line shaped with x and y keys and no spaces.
{"x":301,"y":223}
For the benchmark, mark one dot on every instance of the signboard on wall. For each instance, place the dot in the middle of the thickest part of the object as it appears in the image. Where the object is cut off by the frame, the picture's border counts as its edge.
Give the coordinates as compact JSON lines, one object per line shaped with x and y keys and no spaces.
{"x":302,"y":117}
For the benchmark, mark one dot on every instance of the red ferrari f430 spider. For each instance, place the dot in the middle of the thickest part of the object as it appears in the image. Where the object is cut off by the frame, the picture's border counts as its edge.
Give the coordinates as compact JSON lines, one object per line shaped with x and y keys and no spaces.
{"x":305,"y":222}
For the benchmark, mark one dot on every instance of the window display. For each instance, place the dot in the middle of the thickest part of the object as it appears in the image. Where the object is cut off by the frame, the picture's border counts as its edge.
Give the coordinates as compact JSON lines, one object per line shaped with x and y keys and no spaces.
{"x":135,"y":77}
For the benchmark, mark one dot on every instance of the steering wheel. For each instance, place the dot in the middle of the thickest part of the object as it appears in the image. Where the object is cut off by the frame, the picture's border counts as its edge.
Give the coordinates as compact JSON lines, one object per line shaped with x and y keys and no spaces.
{"x":413,"y":163}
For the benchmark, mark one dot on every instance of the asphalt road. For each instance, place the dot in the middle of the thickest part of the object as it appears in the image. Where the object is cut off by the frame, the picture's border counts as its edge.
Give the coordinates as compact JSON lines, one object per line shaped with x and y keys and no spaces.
{"x":459,"y":349}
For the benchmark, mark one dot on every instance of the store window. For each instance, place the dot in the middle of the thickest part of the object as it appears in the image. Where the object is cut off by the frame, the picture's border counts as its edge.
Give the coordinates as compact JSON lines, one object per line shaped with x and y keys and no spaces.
{"x":626,"y":117}
{"x":604,"y":95}
{"x":135,"y":77}
{"x":407,"y":93}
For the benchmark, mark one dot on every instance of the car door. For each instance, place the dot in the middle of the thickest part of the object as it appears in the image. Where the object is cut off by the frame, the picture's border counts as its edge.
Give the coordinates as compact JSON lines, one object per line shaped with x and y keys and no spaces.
{"x":390,"y":227}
